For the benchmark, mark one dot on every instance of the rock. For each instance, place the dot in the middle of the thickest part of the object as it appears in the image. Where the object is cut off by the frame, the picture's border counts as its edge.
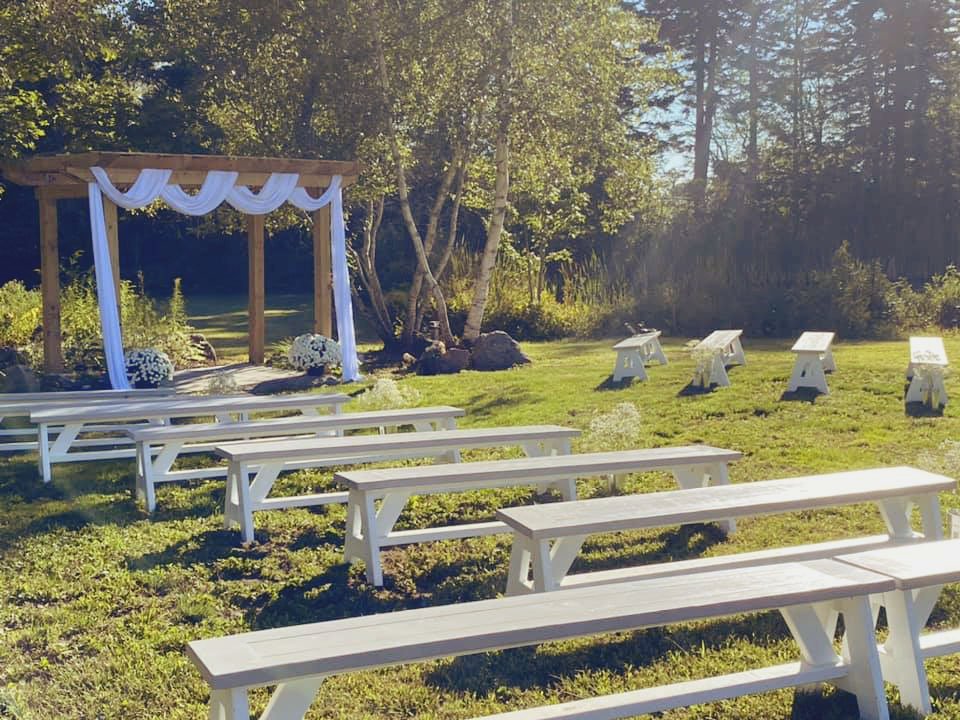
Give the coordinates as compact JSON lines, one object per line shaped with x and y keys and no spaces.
{"x":202,"y":346}
{"x":430,"y":361}
{"x":408,"y":360}
{"x":292,"y":384}
{"x":496,"y":351}
{"x":453,"y":361}
{"x":20,"y":378}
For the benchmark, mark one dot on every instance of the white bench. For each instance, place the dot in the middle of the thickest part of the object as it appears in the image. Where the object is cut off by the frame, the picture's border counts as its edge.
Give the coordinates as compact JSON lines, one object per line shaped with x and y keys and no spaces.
{"x":369,"y":530}
{"x":814,"y":360}
{"x":920,"y":572}
{"x":20,"y":405}
{"x":928,"y":363}
{"x":297,"y":659}
{"x":74,"y":421}
{"x":635,"y":352}
{"x":169,"y":442}
{"x":266,"y":459}
{"x":548,"y":538}
{"x":718,"y":350}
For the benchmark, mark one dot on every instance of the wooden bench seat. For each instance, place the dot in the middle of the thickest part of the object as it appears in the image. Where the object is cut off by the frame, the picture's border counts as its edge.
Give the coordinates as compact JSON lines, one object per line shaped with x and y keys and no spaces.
{"x":20,"y":405}
{"x":920,"y":572}
{"x":814,"y":360}
{"x":77,"y":420}
{"x":715,"y":353}
{"x":159,"y":447}
{"x":297,"y":659}
{"x":634,"y":353}
{"x":265,"y":459}
{"x":369,"y":530}
{"x":928,"y":362}
{"x":548,"y":538}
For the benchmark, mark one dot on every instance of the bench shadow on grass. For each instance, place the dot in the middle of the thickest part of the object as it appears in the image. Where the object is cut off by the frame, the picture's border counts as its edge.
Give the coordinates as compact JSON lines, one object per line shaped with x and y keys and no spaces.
{"x":690,"y":390}
{"x":610,"y":384}
{"x":804,"y":394}
{"x":198,"y":549}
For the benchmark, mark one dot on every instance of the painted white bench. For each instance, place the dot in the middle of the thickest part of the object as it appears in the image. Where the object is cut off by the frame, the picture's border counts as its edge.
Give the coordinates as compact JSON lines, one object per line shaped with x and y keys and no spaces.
{"x":814,"y":360}
{"x":719,"y":349}
{"x":159,"y":447}
{"x":635,"y":352}
{"x":369,"y":530}
{"x":928,"y":363}
{"x":548,"y":538}
{"x":297,"y":659}
{"x":266,"y":459}
{"x":20,"y":405}
{"x":74,"y":421}
{"x":920,"y":572}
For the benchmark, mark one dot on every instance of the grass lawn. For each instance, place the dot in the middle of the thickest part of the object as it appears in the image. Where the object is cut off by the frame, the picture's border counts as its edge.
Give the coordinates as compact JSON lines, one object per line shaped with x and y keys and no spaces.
{"x":98,"y":600}
{"x":223,"y":320}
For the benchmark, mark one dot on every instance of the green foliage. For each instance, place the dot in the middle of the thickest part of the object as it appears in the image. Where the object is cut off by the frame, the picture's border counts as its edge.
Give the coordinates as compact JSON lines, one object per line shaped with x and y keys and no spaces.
{"x":19,"y":314}
{"x":143,"y":324}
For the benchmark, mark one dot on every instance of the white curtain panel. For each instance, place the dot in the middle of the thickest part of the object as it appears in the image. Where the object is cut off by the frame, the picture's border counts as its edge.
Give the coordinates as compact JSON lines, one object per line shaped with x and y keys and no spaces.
{"x":217,"y":187}
{"x":214,"y":190}
{"x":106,"y":293}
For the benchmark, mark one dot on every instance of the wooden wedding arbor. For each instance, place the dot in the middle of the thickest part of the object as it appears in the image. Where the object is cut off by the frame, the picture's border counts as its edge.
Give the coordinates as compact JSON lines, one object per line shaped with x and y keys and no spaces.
{"x":61,"y":177}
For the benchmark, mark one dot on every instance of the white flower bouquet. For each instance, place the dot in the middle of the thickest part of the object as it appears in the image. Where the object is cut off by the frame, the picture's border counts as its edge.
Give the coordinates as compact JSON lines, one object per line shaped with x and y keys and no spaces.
{"x":148,"y":367}
{"x":314,"y":353}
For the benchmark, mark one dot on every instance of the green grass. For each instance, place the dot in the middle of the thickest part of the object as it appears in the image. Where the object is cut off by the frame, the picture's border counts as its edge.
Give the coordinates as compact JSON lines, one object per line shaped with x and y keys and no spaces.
{"x":98,"y":600}
{"x":223,"y":321}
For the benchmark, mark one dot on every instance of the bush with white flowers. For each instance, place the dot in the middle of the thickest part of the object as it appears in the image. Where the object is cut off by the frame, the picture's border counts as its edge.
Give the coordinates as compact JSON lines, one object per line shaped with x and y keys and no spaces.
{"x":148,"y":367}
{"x":310,"y":352}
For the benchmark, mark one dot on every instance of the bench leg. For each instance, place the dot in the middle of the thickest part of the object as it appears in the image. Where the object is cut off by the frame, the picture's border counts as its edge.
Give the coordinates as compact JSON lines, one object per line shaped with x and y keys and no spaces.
{"x":915,"y":391}
{"x":865,"y":679}
{"x":518,"y":576}
{"x":896,"y":514}
{"x":736,"y":353}
{"x":829,"y":364}
{"x":698,"y":476}
{"x":362,"y":535}
{"x":544,"y":579}
{"x":902,"y":658}
{"x":291,"y":700}
{"x":237,"y":507}
{"x":144,"y":489}
{"x":229,"y":704}
{"x":656,"y":352}
{"x":718,"y":373}
{"x":562,"y":555}
{"x":931,"y":519}
{"x":43,"y":438}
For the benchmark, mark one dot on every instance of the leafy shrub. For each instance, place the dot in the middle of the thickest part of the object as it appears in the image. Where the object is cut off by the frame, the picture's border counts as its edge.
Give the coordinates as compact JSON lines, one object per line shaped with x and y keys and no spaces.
{"x":19,"y":314}
{"x":142,"y":324}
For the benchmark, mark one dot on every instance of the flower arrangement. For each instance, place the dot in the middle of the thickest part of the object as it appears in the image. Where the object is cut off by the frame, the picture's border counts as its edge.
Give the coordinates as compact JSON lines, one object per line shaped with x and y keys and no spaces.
{"x":314,"y":353}
{"x":222,"y":383}
{"x":148,"y":367}
{"x":387,"y":394}
{"x":704,"y":358}
{"x":931,"y":376}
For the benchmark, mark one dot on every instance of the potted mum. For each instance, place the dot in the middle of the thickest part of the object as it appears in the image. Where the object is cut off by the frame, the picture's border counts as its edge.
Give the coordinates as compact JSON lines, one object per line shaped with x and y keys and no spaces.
{"x":314,"y":354}
{"x":148,"y":367}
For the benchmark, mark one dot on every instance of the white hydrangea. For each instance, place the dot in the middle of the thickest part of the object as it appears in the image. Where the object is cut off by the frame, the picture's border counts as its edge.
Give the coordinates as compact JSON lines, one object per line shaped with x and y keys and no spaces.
{"x":148,"y":366}
{"x":313,"y":351}
{"x":618,"y":429}
{"x":387,"y":394}
{"x":222,"y":383}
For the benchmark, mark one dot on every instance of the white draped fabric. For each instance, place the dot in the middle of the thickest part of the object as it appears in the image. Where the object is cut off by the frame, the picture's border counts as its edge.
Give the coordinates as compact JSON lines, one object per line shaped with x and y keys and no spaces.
{"x":218,"y":186}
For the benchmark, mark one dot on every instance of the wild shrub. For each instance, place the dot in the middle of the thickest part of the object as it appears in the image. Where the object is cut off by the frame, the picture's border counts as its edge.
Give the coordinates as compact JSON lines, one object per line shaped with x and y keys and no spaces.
{"x":618,"y":429}
{"x":387,"y":394}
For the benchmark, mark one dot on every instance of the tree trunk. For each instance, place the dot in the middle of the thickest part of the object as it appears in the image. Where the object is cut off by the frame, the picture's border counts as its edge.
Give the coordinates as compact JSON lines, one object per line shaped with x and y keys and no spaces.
{"x":366,"y":261}
{"x":501,"y":157}
{"x":454,"y":220}
{"x":414,"y":313}
{"x":424,"y":266}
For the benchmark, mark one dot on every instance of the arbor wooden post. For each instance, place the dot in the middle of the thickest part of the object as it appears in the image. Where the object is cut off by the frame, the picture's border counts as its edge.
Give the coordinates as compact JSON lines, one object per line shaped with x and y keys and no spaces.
{"x":50,"y":283}
{"x":322,"y":268}
{"x":113,"y":242}
{"x":255,"y":288}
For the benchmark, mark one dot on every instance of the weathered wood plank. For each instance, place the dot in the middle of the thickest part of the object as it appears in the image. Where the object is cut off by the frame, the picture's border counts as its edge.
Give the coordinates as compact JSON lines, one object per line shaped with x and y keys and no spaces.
{"x":813,"y":342}
{"x":50,"y":284}
{"x":322,"y":273}
{"x":680,"y":507}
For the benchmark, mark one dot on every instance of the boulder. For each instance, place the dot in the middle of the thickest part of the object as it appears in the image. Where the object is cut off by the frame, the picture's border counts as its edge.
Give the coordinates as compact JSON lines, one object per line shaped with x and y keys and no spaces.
{"x":429,"y":361}
{"x":20,"y":378}
{"x":496,"y":351}
{"x":202,"y":346}
{"x":454,"y":360}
